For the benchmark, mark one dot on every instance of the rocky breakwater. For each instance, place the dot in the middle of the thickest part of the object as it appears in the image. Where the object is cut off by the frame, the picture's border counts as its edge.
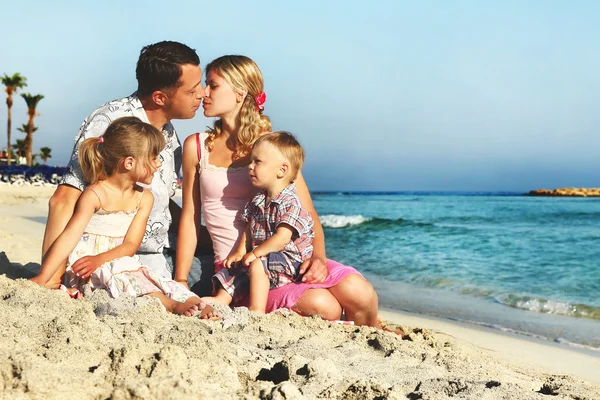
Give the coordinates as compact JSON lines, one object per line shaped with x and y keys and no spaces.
{"x":567,"y":192}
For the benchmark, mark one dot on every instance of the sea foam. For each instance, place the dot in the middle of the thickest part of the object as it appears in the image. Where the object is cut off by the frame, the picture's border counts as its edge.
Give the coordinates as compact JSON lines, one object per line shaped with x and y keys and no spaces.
{"x":342,"y":221}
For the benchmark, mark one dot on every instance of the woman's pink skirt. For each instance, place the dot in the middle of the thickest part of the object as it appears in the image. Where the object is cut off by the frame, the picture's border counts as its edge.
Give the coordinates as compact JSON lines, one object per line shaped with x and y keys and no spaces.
{"x":287,"y":296}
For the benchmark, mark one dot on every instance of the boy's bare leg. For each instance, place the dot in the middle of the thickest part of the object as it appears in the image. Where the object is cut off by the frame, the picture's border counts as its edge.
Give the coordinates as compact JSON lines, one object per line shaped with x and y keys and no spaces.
{"x":61,"y":208}
{"x":259,"y":287}
{"x":222,"y":297}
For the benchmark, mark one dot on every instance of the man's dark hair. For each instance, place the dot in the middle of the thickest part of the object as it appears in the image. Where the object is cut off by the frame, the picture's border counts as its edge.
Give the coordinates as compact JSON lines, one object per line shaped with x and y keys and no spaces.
{"x":159,"y":66}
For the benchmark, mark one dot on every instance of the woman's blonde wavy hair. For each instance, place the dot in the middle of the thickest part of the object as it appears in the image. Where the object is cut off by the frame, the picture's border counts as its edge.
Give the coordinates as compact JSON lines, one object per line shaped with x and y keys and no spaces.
{"x":241,"y":73}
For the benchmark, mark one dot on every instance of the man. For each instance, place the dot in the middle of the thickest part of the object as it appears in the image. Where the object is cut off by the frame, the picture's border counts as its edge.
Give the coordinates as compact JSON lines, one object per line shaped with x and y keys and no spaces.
{"x":169,"y":87}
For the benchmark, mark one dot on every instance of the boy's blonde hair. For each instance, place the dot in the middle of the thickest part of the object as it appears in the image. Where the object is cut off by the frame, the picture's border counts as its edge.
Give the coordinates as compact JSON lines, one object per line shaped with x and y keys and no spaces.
{"x":288,"y":146}
{"x":242,"y":74}
{"x":124,"y":137}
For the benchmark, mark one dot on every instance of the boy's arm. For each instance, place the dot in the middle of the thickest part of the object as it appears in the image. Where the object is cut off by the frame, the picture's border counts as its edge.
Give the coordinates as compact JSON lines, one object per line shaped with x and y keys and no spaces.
{"x":277,"y":242}
{"x":239,"y":249}
{"x":85,"y":266}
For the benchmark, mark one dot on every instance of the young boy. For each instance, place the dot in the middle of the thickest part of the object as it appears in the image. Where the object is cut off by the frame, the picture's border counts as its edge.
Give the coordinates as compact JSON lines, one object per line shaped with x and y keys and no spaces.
{"x":279,"y":230}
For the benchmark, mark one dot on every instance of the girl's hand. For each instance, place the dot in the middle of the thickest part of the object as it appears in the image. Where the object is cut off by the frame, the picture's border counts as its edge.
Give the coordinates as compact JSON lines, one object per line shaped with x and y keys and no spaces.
{"x":248,"y":258}
{"x":314,"y":270}
{"x":86,"y":266}
{"x":230,"y":261}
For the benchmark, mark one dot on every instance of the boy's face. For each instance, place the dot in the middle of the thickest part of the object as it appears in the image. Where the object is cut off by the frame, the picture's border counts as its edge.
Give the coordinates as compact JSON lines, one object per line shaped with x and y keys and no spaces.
{"x":185,"y":100}
{"x":266,"y":166}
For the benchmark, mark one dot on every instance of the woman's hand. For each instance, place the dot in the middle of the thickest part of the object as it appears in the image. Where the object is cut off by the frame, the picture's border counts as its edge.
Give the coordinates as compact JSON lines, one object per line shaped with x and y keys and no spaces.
{"x":314,"y":270}
{"x":86,"y":266}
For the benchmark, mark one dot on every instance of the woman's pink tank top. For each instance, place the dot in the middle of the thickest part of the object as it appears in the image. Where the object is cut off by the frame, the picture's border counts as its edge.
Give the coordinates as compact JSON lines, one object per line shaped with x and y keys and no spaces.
{"x":223,"y":192}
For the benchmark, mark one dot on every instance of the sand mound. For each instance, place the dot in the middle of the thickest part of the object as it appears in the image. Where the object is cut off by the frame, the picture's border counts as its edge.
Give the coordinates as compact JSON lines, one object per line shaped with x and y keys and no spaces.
{"x":56,"y":347}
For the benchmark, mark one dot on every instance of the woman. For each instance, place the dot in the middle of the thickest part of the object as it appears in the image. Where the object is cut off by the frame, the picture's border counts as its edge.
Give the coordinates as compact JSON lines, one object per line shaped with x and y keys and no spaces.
{"x":216,"y":184}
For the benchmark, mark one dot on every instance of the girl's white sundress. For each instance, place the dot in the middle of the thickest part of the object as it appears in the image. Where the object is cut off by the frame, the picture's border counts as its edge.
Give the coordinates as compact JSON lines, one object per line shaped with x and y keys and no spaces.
{"x":105,"y":231}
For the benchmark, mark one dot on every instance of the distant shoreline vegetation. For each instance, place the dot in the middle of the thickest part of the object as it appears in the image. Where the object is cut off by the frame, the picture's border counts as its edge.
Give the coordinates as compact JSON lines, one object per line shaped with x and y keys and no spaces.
{"x":560,"y":192}
{"x":39,"y":175}
{"x":566,"y":192}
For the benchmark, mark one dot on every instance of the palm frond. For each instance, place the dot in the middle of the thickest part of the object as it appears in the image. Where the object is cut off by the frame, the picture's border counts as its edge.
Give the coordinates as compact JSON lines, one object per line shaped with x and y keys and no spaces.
{"x":31,"y":100}
{"x":24,"y":128}
{"x":15,"y":81}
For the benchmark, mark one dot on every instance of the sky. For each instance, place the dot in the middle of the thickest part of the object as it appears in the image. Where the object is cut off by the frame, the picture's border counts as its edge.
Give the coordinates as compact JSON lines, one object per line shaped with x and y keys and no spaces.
{"x":383,"y":95}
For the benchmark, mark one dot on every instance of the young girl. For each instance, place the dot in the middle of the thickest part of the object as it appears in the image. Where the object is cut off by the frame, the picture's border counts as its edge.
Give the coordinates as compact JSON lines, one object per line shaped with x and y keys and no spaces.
{"x":216,"y":184}
{"x":110,"y":217}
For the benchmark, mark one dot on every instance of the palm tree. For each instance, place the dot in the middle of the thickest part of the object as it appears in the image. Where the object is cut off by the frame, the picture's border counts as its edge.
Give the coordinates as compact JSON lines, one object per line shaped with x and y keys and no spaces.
{"x":32,"y":102}
{"x":20,"y":148}
{"x":45,"y":153}
{"x":12,"y":83}
{"x":24,"y":128}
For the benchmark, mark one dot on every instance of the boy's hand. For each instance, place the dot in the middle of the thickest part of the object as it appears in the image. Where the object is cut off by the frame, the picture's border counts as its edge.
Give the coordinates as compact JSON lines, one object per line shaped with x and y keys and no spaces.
{"x":232,"y":259}
{"x":248,"y":258}
{"x":86,"y":266}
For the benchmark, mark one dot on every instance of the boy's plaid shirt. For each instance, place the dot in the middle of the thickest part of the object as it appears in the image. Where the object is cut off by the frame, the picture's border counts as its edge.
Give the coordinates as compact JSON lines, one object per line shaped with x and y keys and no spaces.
{"x":285,"y":208}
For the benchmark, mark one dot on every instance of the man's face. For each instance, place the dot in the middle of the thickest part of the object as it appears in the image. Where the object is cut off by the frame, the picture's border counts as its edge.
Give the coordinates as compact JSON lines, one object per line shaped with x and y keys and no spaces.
{"x":185,"y":100}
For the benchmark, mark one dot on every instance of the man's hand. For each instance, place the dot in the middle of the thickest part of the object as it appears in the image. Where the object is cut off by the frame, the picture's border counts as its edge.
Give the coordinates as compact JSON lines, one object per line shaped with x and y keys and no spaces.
{"x":314,"y":270}
{"x":86,"y":266}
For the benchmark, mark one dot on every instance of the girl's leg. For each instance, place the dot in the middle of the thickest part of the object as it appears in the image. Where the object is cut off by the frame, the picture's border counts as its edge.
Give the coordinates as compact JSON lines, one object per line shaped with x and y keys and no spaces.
{"x":319,"y":302}
{"x":358,"y":299}
{"x":187,"y":308}
{"x":259,"y":287}
{"x":54,"y":282}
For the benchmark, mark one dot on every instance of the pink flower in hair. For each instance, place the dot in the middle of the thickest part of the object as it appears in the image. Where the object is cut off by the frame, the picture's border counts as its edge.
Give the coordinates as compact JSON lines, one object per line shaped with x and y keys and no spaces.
{"x":260,"y":101}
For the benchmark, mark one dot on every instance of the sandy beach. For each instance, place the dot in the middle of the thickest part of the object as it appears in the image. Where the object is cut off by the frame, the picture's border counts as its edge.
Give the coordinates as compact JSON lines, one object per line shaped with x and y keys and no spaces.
{"x":96,"y":348}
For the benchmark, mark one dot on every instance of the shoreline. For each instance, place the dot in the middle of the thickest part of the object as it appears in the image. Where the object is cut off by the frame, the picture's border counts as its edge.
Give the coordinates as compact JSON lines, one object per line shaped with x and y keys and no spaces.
{"x":572,"y":331}
{"x":470,"y":353}
{"x":512,"y":347}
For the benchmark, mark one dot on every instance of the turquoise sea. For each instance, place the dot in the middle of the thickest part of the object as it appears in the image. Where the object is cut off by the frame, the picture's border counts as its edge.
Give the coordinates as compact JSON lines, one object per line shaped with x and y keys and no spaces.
{"x":529,"y":265}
